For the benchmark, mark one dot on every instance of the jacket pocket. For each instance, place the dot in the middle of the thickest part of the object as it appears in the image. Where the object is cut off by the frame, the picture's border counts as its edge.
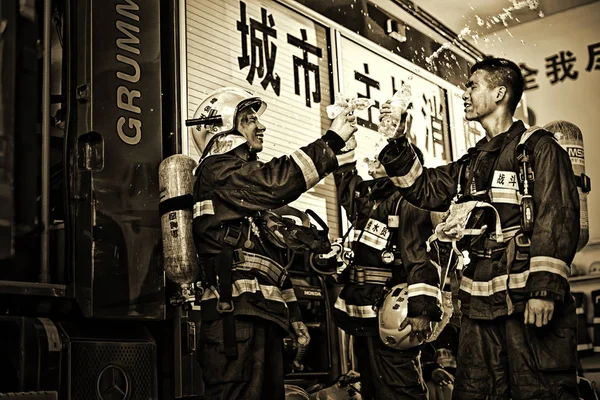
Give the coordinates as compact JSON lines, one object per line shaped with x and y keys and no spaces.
{"x":554,"y":347}
{"x":216,"y":368}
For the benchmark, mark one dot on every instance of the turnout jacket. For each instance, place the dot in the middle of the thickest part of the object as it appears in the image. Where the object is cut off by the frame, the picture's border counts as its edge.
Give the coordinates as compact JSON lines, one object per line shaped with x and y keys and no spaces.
{"x":368,"y":205}
{"x":489,"y":171}
{"x":230,"y":189}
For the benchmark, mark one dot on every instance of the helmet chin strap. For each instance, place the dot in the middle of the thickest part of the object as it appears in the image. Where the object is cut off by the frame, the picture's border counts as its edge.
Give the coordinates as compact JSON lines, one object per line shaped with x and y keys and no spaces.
{"x":216,"y":141}
{"x":245,"y":151}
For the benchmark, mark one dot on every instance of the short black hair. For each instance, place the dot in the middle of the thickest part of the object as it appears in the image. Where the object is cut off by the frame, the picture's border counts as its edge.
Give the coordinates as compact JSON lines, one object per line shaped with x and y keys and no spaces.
{"x":503,"y":72}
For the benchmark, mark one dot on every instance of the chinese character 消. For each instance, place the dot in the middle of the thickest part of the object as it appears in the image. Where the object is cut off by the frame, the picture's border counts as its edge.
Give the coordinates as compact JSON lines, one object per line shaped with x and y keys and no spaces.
{"x":306,"y":66}
{"x":434,"y":114}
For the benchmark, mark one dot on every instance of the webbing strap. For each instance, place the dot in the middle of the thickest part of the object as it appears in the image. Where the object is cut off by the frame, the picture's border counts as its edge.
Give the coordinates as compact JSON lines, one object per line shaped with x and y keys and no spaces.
{"x":371,"y":275}
{"x":510,"y":258}
{"x":224,"y":262}
{"x":268,"y":268}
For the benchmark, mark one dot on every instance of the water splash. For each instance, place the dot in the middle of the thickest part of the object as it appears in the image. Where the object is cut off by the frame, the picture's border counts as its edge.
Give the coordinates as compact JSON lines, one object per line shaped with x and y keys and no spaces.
{"x":489,"y":22}
{"x":465,"y":31}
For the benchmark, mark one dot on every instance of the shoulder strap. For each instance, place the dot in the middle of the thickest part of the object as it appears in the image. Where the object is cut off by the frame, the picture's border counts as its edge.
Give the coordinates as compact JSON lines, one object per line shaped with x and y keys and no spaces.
{"x":524,"y":152}
{"x":529,"y":140}
{"x":530,"y":137}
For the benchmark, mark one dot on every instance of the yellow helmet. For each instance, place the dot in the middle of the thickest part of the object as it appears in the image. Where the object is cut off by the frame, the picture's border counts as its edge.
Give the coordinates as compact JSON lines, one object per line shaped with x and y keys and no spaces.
{"x":215,"y":118}
{"x":392,"y":314}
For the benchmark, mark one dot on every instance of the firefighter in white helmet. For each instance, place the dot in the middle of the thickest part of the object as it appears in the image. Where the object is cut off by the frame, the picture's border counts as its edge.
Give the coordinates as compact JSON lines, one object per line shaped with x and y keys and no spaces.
{"x":518,"y":331}
{"x":389,"y":247}
{"x":248,"y":303}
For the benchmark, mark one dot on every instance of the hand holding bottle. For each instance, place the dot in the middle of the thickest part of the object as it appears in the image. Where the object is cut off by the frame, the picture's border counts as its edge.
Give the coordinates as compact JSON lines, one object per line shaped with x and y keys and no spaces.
{"x":394,"y":113}
{"x":344,"y":125}
{"x":343,"y":104}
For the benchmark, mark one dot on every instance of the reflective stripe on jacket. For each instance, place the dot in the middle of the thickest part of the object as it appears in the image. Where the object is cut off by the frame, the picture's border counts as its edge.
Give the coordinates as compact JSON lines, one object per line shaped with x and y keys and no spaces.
{"x":490,"y":169}
{"x":369,"y":204}
{"x":232,"y":187}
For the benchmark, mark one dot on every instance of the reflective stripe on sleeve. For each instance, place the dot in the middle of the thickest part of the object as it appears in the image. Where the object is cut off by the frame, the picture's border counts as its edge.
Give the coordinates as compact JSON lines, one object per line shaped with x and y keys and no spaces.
{"x":307,"y":166}
{"x":288,"y":295}
{"x":549,"y":264}
{"x":423,"y":289}
{"x":204,"y":207}
{"x":345,"y":158}
{"x":409,"y":179}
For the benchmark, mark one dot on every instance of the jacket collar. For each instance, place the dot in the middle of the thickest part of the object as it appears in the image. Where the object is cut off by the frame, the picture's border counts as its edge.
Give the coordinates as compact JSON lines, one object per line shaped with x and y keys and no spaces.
{"x":244,"y":153}
{"x":380,"y":188}
{"x":501,"y":140}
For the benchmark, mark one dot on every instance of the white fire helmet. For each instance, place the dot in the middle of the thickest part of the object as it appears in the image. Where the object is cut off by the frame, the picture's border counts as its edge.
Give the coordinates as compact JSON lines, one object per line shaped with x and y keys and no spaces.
{"x":224,"y":103}
{"x":392,"y":314}
{"x":293,"y":392}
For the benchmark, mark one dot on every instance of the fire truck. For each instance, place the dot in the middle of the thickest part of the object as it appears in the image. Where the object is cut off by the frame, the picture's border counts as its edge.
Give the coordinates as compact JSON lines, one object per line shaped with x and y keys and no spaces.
{"x":90,"y":105}
{"x":93,"y":97}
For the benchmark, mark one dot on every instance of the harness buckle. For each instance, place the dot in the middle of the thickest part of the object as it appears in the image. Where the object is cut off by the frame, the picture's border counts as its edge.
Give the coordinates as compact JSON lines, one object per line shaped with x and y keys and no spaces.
{"x":586,"y":183}
{"x":238,"y":258}
{"x":522,"y":240}
{"x":225,"y":307}
{"x":232,"y":235}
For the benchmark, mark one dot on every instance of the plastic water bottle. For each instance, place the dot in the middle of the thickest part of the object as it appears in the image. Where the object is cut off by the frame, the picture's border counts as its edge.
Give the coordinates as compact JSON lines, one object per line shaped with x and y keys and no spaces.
{"x":399,"y":104}
{"x":341,"y":104}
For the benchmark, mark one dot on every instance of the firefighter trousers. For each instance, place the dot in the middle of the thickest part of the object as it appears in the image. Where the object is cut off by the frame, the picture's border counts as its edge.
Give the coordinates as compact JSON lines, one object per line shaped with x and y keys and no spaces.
{"x":256,"y":373}
{"x":504,"y":358}
{"x":387,"y":374}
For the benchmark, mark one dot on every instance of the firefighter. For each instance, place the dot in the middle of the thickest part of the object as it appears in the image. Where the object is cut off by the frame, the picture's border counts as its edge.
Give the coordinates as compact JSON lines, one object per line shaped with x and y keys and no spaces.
{"x":517,"y":338}
{"x":389,"y":248}
{"x":248,"y":303}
